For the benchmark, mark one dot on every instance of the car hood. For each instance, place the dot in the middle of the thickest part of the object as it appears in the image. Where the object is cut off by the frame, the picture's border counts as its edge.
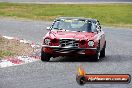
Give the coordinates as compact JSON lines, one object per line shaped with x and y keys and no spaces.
{"x":72,"y":34}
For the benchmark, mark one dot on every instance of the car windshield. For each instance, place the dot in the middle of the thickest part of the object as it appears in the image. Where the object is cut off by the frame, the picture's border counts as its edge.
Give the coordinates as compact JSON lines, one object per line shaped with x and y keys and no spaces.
{"x":73,"y":25}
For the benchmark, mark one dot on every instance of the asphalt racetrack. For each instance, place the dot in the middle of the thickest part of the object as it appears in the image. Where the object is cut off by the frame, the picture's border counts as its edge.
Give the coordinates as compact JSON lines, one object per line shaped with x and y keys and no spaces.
{"x":61,"y":72}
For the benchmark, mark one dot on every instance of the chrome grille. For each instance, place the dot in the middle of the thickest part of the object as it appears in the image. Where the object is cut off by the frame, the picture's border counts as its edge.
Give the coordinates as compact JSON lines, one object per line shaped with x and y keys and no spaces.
{"x":65,"y":50}
{"x":69,"y":42}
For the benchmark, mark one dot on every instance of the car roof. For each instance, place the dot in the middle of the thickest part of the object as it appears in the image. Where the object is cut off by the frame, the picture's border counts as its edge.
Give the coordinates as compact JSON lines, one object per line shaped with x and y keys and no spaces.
{"x":79,"y":18}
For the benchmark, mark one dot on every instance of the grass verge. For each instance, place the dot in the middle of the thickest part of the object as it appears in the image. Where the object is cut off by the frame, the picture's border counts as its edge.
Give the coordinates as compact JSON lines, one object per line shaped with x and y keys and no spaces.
{"x":13,"y":48}
{"x":108,"y":14}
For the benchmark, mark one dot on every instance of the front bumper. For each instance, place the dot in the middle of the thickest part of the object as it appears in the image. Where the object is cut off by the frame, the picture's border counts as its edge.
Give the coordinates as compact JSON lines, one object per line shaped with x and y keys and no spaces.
{"x":68,"y":50}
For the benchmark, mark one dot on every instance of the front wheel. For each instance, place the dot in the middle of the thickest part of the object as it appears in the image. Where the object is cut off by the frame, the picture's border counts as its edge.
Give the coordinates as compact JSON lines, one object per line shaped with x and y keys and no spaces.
{"x":102,"y":53}
{"x":96,"y":57}
{"x":44,"y":56}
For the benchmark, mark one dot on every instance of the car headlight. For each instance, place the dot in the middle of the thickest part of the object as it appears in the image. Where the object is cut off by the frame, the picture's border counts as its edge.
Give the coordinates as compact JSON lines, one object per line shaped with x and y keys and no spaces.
{"x":47,"y":41}
{"x":91,"y":43}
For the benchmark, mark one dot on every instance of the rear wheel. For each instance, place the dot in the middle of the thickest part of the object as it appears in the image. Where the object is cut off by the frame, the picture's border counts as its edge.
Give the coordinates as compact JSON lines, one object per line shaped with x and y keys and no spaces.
{"x":44,"y":56}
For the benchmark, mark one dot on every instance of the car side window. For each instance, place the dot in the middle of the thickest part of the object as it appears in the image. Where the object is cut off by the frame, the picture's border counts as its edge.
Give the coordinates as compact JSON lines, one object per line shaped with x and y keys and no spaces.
{"x":93,"y":27}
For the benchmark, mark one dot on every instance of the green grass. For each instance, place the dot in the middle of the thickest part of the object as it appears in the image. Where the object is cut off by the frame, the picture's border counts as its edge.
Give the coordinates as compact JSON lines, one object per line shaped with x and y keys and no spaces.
{"x":108,"y":14}
{"x":6,"y":53}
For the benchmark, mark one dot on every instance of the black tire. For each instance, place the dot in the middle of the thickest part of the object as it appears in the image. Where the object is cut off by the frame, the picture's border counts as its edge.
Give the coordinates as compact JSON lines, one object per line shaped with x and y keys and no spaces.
{"x":96,"y":57}
{"x":102,"y":53}
{"x":45,"y":57}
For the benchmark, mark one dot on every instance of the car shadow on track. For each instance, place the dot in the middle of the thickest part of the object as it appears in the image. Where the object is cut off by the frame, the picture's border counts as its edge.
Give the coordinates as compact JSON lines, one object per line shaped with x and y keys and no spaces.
{"x":73,"y":59}
{"x":108,"y":58}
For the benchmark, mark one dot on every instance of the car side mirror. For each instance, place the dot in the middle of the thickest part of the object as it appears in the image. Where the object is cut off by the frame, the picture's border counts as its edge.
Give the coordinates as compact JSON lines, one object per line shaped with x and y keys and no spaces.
{"x":48,"y":28}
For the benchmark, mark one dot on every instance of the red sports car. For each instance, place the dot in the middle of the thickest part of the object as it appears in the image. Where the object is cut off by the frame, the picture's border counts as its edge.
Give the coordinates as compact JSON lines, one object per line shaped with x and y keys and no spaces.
{"x":73,"y":36}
